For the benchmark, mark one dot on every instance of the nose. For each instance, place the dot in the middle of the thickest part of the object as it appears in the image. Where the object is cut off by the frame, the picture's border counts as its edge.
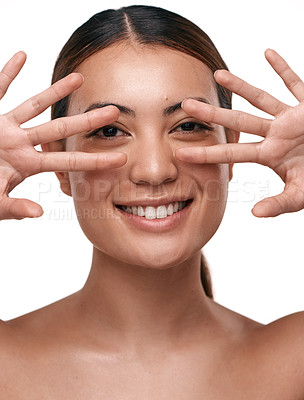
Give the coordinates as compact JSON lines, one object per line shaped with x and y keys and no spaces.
{"x":153,"y":162}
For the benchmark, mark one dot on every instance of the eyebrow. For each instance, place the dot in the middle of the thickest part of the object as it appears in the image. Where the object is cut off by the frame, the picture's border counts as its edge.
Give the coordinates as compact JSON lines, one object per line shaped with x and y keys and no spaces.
{"x":128,"y":111}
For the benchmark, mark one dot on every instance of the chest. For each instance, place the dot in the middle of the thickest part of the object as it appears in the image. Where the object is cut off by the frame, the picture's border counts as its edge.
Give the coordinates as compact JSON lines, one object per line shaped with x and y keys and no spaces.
{"x":92,"y":378}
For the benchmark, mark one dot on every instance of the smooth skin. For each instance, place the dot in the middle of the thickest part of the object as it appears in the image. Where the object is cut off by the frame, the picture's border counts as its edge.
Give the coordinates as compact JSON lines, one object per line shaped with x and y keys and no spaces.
{"x":145,"y":331}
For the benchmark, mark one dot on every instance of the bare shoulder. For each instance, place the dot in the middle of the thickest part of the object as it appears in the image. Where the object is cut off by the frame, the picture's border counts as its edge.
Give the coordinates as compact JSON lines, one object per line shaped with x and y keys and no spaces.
{"x":6,"y":351}
{"x":36,"y":329}
{"x":289,"y":322}
{"x":286,"y":334}
{"x":277,"y":352}
{"x":5,"y":336}
{"x":28,"y":343}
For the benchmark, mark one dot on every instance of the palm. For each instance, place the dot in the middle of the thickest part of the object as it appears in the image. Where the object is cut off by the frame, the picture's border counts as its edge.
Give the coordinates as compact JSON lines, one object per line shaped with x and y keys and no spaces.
{"x":17,"y":165}
{"x":282,"y":147}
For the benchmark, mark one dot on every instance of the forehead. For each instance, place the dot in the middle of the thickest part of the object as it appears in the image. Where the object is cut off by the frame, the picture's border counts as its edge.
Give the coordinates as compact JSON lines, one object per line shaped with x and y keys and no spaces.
{"x":142,"y":76}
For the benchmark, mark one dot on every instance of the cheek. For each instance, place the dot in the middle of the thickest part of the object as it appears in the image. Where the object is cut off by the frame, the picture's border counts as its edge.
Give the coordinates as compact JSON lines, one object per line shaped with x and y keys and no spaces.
{"x":92,"y":188}
{"x":211,"y":180}
{"x":92,"y":193}
{"x":216,"y":185}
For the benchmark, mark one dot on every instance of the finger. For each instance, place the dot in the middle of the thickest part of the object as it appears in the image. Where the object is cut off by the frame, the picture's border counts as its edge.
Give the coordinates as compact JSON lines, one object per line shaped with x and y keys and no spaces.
{"x":290,"y":78}
{"x":290,"y":200}
{"x":79,"y":161}
{"x":220,"y":153}
{"x":236,"y":120}
{"x":10,"y":71}
{"x":257,"y":97}
{"x":19,"y":208}
{"x":39,"y":103}
{"x":67,"y":126}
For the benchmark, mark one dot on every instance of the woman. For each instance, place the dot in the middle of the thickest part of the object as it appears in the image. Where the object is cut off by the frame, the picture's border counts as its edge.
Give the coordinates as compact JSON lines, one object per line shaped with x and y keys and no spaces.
{"x":138,"y":140}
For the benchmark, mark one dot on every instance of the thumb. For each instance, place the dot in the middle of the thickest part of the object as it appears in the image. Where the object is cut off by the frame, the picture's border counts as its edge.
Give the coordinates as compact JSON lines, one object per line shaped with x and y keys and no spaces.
{"x":11,"y":208}
{"x":290,"y":200}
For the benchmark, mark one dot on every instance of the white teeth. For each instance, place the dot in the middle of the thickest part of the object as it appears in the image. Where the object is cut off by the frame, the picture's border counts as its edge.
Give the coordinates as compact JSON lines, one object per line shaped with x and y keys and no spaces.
{"x":161,"y":212}
{"x":140,"y":211}
{"x":155,"y":212}
{"x":170,"y":209}
{"x":150,"y":213}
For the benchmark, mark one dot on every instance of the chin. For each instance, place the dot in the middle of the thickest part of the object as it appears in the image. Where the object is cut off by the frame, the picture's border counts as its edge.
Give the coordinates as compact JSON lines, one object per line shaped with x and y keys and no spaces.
{"x":160,"y":260}
{"x":159,"y":255}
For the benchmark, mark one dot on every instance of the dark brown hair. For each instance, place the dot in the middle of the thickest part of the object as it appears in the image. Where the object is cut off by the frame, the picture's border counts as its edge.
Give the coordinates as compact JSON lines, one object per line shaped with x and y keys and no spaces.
{"x":144,"y":25}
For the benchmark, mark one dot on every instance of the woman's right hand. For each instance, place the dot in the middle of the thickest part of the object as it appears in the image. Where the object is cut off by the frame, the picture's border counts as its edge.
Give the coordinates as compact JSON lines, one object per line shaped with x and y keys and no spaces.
{"x":18,"y":157}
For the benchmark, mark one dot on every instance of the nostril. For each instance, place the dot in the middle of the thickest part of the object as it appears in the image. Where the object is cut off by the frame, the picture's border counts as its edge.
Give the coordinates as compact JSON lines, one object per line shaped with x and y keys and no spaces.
{"x":152,"y":182}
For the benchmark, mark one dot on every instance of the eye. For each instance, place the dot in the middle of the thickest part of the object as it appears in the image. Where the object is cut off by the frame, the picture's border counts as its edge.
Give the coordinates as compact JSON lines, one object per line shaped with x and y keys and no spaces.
{"x":107,"y":132}
{"x":192,"y":127}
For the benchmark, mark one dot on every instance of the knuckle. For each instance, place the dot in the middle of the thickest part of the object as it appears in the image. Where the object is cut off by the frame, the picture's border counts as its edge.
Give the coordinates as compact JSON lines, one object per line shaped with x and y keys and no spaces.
{"x":72,"y":161}
{"x":205,"y":155}
{"x":89,"y":120}
{"x":260,"y":97}
{"x":36,"y":105}
{"x":55,"y":87}
{"x":279,"y":108}
{"x":3,"y":90}
{"x":259,"y":154}
{"x":293,"y":83}
{"x":229,"y":154}
{"x":32,"y":135}
{"x":40,"y":161}
{"x":264,"y":125}
{"x":98,"y":162}
{"x":241,"y":85}
{"x":62,"y":128}
{"x":239,"y":120}
{"x":284,"y":70}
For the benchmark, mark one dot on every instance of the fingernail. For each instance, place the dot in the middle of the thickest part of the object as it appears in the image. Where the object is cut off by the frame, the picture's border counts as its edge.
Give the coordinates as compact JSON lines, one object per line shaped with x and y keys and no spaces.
{"x":81,"y":75}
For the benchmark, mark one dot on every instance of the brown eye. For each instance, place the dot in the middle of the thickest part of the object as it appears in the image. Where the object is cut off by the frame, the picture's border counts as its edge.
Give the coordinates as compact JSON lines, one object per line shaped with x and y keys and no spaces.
{"x":109,"y":131}
{"x":192,"y":127}
{"x":188,"y":126}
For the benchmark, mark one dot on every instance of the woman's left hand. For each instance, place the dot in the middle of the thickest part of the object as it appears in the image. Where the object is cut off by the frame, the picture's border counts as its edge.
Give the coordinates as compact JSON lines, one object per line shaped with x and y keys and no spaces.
{"x":282,"y":148}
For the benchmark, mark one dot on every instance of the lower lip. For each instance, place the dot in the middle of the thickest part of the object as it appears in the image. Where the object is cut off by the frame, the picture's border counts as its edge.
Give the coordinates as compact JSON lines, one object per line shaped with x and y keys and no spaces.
{"x":158,"y":224}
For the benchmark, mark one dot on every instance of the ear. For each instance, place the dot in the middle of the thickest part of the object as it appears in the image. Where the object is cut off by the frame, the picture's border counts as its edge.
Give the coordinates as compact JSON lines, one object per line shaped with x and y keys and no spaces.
{"x":232,"y":137}
{"x":63,"y":177}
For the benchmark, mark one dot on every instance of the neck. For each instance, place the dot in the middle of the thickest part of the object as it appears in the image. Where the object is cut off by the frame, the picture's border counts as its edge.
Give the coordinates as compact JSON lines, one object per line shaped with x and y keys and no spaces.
{"x":137,"y":306}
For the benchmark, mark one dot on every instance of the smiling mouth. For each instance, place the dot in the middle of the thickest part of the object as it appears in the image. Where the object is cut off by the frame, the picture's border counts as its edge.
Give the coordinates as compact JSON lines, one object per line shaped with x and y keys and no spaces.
{"x":150,"y":212}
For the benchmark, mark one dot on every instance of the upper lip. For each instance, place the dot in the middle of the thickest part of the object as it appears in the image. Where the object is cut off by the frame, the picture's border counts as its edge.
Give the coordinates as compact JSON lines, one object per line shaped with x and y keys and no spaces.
{"x":152,"y":203}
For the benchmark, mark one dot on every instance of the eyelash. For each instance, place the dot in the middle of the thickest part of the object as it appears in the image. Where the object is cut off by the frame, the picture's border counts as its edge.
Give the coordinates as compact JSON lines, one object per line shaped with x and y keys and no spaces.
{"x":200,"y":127}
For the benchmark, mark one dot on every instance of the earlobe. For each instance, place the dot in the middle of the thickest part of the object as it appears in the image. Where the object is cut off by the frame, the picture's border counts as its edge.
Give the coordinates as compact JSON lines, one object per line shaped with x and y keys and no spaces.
{"x":63,"y":177}
{"x":64,"y":180}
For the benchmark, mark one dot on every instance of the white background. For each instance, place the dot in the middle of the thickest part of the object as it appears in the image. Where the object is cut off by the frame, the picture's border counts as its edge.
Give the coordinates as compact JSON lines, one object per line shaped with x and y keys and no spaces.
{"x":257,"y":264}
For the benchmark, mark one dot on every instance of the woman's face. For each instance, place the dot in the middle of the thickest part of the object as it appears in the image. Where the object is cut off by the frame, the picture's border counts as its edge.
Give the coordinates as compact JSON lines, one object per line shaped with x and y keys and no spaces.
{"x":148,"y":84}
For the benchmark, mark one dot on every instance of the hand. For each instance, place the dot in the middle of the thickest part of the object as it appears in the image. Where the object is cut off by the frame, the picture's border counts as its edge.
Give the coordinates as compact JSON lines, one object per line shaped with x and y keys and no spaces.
{"x":18,"y":157}
{"x":282,"y":148}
